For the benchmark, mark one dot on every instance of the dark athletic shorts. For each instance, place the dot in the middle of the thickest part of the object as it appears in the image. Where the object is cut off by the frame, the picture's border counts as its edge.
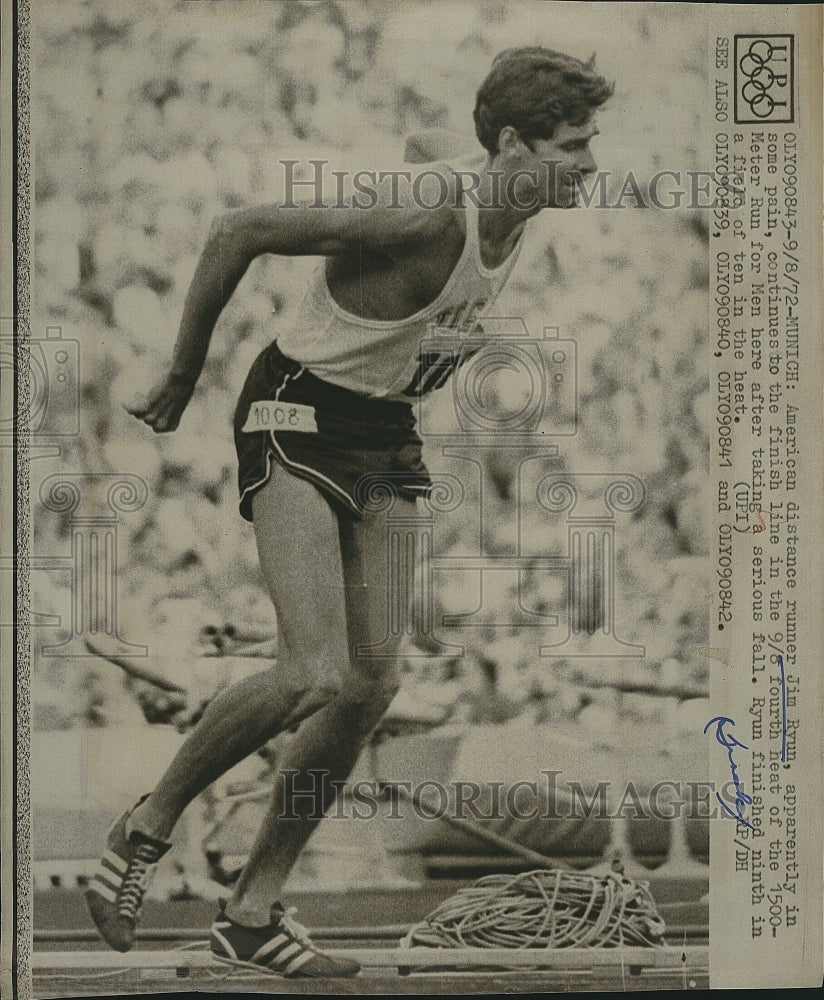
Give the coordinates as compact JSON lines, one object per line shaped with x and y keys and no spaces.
{"x":356,"y":436}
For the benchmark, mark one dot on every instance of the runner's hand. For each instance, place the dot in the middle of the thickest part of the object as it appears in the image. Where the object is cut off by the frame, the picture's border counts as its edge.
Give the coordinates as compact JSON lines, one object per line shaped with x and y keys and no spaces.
{"x":163,"y":406}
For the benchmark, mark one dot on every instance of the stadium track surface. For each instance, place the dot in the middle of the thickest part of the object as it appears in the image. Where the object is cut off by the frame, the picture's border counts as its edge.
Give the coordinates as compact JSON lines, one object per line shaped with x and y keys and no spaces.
{"x":458,"y":984}
{"x":182,"y":979}
{"x":679,"y":902}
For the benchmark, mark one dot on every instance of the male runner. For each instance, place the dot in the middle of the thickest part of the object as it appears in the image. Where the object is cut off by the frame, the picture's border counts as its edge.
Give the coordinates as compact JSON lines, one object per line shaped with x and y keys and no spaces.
{"x":344,"y":378}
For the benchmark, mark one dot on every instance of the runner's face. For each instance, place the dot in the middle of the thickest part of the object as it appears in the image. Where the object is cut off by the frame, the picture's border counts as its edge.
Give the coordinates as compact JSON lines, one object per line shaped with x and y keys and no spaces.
{"x":562,"y":161}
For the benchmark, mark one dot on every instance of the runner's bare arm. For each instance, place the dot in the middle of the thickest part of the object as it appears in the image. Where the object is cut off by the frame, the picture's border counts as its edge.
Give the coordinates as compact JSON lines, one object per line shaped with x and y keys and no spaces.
{"x":237,"y":238}
{"x":384,"y":227}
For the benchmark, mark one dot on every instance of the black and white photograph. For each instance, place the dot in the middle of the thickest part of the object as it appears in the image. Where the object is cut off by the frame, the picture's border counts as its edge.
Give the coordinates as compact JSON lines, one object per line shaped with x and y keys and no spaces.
{"x":412,"y":426}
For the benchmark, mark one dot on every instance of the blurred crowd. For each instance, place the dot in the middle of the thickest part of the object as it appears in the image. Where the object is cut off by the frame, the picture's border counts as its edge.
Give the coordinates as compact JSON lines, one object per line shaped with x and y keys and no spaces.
{"x":150,"y":118}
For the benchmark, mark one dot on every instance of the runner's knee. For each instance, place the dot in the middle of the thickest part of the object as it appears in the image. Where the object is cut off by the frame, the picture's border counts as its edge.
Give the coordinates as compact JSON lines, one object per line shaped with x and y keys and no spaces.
{"x":323,"y":661}
{"x":313,"y":673}
{"x":372,"y":684}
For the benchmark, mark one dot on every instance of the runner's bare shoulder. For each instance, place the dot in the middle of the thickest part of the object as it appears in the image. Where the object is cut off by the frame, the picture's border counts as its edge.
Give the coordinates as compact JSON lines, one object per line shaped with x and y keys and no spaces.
{"x":454,"y":155}
{"x":422,"y":209}
{"x":433,"y":144}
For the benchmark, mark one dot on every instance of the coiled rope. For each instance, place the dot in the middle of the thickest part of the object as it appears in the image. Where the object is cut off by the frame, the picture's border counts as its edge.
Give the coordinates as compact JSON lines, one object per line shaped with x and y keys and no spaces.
{"x":549,"y":908}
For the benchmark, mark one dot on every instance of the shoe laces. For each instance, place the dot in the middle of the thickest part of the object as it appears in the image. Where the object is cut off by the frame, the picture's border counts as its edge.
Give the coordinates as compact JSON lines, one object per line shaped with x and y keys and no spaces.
{"x":296,"y":929}
{"x":136,"y":880}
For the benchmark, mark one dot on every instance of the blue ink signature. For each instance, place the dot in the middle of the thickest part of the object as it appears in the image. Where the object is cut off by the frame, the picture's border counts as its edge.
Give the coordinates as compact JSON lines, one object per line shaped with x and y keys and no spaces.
{"x":780,"y":659}
{"x":729,"y":742}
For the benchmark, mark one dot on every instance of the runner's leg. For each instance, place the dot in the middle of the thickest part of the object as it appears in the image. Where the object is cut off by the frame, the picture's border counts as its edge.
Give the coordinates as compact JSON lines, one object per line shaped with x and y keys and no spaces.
{"x":299,"y":546}
{"x":331,"y":740}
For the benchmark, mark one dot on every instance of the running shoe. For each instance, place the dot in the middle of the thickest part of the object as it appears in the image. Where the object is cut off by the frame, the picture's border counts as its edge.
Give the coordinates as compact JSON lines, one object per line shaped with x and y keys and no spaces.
{"x":282,"y":947}
{"x":116,"y":890}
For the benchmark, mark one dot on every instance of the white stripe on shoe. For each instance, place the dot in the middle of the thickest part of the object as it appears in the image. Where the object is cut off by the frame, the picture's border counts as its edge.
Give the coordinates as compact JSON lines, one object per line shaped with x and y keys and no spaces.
{"x":103,"y":890}
{"x":230,"y":951}
{"x":115,"y":861}
{"x":294,"y":947}
{"x":297,"y":962}
{"x":105,"y":876}
{"x":270,"y":948}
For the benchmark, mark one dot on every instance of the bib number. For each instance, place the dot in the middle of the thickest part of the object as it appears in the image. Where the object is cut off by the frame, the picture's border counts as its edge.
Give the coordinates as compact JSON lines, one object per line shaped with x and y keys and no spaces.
{"x":269,"y":415}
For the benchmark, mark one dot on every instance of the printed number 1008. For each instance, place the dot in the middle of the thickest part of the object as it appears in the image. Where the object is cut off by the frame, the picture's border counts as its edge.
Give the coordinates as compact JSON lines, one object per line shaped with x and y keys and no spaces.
{"x":268,"y":415}
{"x":274,"y":415}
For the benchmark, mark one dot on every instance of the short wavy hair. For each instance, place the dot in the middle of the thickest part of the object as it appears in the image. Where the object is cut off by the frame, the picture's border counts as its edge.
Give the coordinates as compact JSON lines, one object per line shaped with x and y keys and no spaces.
{"x":534,"y":89}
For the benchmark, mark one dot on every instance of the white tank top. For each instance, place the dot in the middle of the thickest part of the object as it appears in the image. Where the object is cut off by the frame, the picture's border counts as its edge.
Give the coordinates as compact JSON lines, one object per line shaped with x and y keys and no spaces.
{"x":384,"y":357}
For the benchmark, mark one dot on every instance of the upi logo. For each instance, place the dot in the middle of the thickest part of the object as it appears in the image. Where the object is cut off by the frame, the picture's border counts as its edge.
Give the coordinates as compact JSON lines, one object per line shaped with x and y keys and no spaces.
{"x":764,"y":79}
